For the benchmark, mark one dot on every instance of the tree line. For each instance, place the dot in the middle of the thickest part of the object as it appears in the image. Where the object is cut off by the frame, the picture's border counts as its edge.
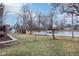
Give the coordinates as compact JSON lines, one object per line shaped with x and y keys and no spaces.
{"x":27,"y":20}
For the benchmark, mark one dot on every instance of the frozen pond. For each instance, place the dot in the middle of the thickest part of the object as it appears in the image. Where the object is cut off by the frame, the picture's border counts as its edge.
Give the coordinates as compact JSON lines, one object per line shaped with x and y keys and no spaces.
{"x":64,"y":33}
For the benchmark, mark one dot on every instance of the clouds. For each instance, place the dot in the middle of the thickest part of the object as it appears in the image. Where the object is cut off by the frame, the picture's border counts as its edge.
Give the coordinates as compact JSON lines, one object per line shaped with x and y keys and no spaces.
{"x":13,"y":7}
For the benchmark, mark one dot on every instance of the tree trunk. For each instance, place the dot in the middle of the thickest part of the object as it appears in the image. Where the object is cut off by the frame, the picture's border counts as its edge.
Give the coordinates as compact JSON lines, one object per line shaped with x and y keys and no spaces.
{"x":53,"y":34}
{"x":30,"y":28}
{"x":52,"y":28}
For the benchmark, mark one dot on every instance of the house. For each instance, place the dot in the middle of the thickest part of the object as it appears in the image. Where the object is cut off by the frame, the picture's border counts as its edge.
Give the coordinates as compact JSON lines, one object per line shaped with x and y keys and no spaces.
{"x":76,"y":26}
{"x":68,"y":27}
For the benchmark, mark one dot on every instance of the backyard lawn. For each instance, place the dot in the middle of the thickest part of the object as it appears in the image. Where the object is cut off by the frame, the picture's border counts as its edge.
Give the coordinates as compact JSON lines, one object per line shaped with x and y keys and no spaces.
{"x":41,"y":46}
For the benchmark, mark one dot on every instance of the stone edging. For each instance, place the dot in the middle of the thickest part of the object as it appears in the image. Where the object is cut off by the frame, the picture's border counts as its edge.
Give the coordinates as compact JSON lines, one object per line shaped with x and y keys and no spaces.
{"x":13,"y":39}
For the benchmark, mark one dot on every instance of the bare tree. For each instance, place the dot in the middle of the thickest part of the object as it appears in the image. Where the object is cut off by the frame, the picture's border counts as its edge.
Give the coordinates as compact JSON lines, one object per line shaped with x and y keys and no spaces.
{"x":51,"y":23}
{"x":45,"y":22}
{"x":62,"y":23}
{"x":23,"y":15}
{"x":30,"y":22}
{"x":71,"y":8}
{"x":53,"y":14}
{"x":39,"y":20}
{"x":57,"y":24}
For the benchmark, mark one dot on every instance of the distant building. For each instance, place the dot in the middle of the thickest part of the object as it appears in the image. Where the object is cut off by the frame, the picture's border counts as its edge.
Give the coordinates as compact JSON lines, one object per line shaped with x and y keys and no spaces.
{"x":76,"y":26}
{"x":68,"y":27}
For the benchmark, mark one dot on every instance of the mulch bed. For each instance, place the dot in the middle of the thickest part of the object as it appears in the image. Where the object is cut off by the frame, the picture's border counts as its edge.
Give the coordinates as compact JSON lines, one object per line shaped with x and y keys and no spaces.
{"x":5,"y":38}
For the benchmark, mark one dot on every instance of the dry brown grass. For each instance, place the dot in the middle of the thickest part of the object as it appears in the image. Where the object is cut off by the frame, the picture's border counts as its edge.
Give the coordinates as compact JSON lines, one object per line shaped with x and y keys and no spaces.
{"x":44,"y":45}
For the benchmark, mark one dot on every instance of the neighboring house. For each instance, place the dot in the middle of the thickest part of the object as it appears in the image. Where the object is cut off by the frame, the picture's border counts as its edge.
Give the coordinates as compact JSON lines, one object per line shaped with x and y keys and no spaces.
{"x":68,"y":27}
{"x":76,"y":27}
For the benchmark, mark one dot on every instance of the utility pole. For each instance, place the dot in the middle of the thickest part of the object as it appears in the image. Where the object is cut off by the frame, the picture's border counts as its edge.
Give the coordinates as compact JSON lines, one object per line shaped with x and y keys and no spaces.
{"x":72,"y":23}
{"x":72,"y":26}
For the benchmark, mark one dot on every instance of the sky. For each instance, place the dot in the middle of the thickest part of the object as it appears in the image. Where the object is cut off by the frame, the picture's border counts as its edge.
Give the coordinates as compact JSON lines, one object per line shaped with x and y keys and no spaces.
{"x":15,"y":8}
{"x":41,"y":7}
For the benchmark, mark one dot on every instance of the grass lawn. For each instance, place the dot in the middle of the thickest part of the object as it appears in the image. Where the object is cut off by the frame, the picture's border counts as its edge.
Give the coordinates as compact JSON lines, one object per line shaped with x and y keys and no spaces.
{"x":41,"y":46}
